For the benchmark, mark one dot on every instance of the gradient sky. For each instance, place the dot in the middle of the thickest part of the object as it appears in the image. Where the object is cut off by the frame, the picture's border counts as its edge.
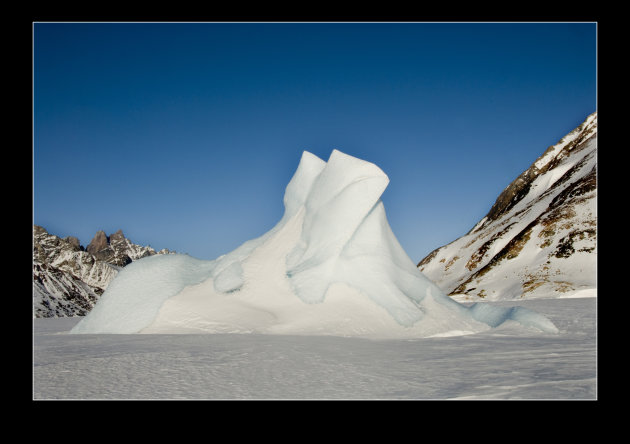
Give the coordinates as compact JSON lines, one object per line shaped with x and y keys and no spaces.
{"x":185,"y":135}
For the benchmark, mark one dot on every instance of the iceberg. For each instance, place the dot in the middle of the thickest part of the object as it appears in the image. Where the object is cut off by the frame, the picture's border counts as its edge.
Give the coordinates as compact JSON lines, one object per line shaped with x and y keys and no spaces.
{"x":331,"y":266}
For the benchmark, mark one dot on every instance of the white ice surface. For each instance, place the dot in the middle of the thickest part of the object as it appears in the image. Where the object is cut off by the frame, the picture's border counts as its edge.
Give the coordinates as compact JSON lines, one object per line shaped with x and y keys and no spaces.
{"x":508,"y":362}
{"x":331,"y":266}
{"x":132,"y":300}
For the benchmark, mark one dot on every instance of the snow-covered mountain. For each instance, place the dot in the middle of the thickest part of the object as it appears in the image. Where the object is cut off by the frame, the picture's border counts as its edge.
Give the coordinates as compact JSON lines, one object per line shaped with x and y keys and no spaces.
{"x":68,"y":278}
{"x":539,"y":239}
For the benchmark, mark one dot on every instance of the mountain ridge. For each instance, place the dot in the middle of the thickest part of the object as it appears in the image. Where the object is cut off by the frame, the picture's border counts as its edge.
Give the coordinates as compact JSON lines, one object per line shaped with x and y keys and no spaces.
{"x":68,"y":278}
{"x":539,"y":237}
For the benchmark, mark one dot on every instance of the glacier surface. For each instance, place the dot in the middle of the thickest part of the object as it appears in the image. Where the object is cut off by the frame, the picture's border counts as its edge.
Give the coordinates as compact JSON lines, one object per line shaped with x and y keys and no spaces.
{"x":330,"y":266}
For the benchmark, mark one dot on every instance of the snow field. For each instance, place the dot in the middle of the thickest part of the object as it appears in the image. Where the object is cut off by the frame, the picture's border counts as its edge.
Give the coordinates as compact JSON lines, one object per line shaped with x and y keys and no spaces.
{"x":507,"y":362}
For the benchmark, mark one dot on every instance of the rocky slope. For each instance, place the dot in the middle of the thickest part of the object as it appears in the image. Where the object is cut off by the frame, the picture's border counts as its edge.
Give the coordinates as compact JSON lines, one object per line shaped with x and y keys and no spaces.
{"x":539,"y":239}
{"x":68,"y":278}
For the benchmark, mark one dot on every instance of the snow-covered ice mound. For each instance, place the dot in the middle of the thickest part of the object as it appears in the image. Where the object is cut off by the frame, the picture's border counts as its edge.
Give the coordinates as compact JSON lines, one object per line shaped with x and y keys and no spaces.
{"x":331,"y":266}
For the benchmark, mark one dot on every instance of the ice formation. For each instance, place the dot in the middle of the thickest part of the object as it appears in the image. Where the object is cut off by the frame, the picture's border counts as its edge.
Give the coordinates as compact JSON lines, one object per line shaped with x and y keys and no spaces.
{"x":331,"y":266}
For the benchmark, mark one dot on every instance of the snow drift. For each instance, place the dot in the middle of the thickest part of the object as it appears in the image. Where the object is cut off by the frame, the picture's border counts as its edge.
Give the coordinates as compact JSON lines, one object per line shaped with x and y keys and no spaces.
{"x":331,"y":266}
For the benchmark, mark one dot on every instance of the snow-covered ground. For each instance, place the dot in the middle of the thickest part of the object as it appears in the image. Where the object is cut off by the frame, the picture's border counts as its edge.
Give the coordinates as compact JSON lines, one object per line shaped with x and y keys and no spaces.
{"x":507,"y":362}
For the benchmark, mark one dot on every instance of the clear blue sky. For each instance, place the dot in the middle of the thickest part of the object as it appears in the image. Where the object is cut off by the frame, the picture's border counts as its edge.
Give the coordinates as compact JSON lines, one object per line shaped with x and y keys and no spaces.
{"x":184,"y":135}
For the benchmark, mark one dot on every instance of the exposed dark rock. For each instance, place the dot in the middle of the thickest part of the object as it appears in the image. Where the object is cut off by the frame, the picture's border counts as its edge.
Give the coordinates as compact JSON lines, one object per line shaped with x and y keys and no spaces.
{"x":73,"y":242}
{"x":99,"y":242}
{"x":429,"y":257}
{"x":509,"y":251}
{"x":580,"y":187}
{"x":512,"y":194}
{"x":118,"y":236}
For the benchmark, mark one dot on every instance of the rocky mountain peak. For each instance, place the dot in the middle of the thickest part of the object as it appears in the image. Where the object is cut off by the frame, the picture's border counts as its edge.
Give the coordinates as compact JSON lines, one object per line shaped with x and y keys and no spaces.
{"x":68,"y":279}
{"x":73,"y":242}
{"x":116,"y":249}
{"x":45,"y":244}
{"x":38,"y":230}
{"x":117,"y":236}
{"x":99,"y":242}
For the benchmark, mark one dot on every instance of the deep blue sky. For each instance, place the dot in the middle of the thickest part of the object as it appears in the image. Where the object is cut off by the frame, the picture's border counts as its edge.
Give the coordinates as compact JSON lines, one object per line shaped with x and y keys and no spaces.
{"x":184,"y":135}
